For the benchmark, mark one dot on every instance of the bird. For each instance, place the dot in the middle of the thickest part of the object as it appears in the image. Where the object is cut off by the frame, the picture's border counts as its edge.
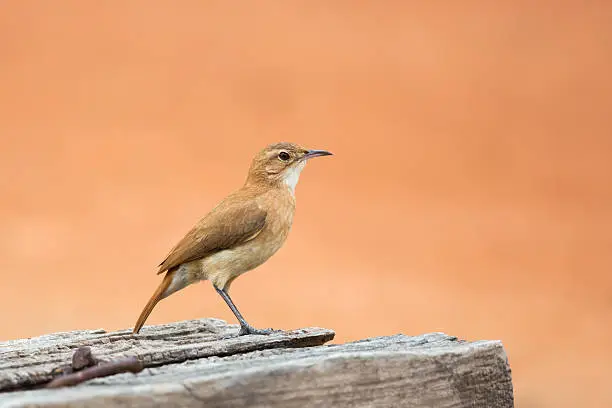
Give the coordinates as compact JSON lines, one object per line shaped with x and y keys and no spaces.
{"x":240,"y":233}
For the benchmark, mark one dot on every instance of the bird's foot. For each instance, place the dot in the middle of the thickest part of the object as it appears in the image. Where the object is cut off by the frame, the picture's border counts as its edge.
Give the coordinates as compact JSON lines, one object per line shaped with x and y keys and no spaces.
{"x":245,"y":330}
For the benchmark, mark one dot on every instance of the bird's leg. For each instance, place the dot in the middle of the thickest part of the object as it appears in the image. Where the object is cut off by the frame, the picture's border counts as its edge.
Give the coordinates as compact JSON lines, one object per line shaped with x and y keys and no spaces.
{"x":245,"y":328}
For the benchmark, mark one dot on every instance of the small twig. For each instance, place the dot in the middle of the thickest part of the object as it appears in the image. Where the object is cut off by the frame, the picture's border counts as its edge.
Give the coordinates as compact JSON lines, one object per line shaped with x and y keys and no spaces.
{"x":130,"y":364}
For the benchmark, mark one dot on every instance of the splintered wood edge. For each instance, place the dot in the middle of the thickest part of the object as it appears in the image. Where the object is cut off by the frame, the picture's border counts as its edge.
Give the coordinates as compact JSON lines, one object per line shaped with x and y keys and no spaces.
{"x":220,"y":340}
{"x":229,"y":345}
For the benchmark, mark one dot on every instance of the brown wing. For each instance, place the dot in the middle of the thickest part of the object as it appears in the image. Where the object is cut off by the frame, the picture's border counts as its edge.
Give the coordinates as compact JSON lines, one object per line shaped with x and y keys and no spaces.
{"x":231,"y":223}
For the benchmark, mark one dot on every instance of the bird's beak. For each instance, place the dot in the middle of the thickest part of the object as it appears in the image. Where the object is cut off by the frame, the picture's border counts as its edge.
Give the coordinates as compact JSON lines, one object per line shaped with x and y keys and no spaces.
{"x":315,"y":153}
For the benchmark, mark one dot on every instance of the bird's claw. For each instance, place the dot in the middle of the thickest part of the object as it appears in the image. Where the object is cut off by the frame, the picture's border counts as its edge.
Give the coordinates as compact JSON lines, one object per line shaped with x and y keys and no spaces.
{"x":246,"y":330}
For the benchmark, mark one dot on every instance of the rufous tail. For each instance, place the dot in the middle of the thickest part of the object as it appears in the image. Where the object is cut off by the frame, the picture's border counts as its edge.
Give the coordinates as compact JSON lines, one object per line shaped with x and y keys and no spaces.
{"x":157,"y":296}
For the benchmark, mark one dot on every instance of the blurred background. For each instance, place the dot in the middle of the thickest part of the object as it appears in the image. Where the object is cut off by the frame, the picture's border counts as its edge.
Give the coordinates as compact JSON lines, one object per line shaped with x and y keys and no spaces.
{"x":470,"y":191}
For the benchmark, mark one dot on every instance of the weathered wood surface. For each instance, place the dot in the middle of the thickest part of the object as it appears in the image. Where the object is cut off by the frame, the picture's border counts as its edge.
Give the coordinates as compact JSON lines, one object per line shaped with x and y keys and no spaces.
{"x":30,"y":362}
{"x":199,"y":363}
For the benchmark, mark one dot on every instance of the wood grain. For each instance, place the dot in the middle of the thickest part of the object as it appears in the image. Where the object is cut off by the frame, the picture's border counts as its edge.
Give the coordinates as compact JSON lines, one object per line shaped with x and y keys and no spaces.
{"x":31,"y":362}
{"x":430,"y":370}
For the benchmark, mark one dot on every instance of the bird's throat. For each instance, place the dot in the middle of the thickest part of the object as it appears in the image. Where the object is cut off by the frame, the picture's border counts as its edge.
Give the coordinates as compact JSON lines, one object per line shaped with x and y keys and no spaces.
{"x":292,"y":176}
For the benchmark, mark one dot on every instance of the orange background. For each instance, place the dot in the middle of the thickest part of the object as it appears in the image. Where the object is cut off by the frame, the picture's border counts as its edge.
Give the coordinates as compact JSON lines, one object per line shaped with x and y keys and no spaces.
{"x":469,"y":193}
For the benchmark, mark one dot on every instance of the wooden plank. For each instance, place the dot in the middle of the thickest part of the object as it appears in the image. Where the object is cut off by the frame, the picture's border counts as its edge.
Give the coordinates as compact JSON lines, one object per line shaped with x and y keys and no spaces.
{"x":431,"y":370}
{"x":30,"y":362}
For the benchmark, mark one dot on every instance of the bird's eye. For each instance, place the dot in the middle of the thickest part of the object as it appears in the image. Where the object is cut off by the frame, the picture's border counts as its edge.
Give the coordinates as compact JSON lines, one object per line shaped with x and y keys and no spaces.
{"x":284,"y":156}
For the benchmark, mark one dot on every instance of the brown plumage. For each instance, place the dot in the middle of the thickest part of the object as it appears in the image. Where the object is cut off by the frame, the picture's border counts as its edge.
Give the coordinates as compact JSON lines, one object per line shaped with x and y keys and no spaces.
{"x":157,"y":296}
{"x":214,"y":232}
{"x":240,"y":233}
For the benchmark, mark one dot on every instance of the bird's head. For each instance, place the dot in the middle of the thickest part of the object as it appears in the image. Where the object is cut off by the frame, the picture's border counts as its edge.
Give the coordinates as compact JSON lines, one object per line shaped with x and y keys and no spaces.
{"x":281,"y":163}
